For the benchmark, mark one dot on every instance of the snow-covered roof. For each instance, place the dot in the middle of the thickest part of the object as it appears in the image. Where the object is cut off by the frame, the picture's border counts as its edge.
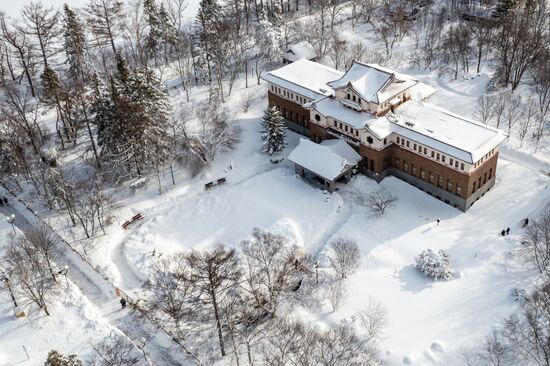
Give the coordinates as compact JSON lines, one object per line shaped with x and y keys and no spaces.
{"x":445,"y":131}
{"x":421,"y":91}
{"x":374,"y":83}
{"x":304,"y":77}
{"x":424,"y":123}
{"x":299,"y":51}
{"x":333,"y":108}
{"x":329,"y":159}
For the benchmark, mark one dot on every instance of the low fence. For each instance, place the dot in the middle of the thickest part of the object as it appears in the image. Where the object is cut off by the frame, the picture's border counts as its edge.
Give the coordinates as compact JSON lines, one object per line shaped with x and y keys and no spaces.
{"x":116,"y":290}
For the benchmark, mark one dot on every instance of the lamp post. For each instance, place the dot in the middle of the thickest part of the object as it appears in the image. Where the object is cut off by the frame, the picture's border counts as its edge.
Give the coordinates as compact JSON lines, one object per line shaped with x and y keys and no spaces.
{"x":11,"y":219}
{"x":64,"y":272}
{"x":4,"y":276}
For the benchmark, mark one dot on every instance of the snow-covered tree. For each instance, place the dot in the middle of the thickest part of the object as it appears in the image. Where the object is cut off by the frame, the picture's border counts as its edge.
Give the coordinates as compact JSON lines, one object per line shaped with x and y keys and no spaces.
{"x":344,"y":256}
{"x":434,"y":265}
{"x":74,"y":45}
{"x":274,"y":130}
{"x":268,"y":41}
{"x":56,"y":358}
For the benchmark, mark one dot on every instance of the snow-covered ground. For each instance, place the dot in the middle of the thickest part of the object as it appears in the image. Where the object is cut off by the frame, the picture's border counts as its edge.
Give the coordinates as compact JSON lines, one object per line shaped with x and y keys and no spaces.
{"x":428,"y":321}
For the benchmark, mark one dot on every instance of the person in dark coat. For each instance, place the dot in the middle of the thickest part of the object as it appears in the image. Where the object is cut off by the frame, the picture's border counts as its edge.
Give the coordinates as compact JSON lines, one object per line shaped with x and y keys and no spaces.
{"x":438,"y":221}
{"x":123,"y":303}
{"x":507,"y":231}
{"x":526,"y":222}
{"x":503,"y":232}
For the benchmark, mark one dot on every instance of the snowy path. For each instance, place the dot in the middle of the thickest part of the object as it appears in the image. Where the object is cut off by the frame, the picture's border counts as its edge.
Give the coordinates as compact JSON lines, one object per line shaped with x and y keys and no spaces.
{"x":159,"y":347}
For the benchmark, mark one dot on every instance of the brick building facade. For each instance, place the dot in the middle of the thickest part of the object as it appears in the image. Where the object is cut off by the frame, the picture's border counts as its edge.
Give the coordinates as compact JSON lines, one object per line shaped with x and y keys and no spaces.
{"x":447,"y":156}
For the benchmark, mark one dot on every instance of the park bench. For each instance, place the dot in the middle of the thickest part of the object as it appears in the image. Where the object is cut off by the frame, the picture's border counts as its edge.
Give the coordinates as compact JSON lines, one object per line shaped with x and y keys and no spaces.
{"x":208,"y":185}
{"x":221,"y":181}
{"x":137,"y":217}
{"x":126,"y":224}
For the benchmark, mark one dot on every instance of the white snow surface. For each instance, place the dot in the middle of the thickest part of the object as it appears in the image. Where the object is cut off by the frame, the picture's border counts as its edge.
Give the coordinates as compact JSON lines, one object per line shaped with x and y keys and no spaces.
{"x":304,"y":77}
{"x":445,"y":131}
{"x":329,"y":159}
{"x":300,"y":50}
{"x":374,"y":83}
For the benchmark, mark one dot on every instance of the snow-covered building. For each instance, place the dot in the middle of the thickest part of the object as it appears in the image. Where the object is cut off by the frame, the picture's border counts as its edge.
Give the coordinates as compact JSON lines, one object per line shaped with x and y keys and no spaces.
{"x":300,"y":51}
{"x":384,"y":116}
{"x":331,"y":160}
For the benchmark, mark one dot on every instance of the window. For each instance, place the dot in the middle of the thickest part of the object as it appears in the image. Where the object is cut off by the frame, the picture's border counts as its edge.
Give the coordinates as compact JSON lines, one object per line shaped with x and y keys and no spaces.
{"x":349,"y":96}
{"x":335,"y":123}
{"x":317,"y":117}
{"x":458,"y":189}
{"x":456,"y":164}
{"x":422,"y":174}
{"x":396,"y":162}
{"x":354,"y":98}
{"x":431,"y":178}
{"x":340,"y":123}
{"x":413,"y":170}
{"x":407,"y":143}
{"x":356,"y":132}
{"x":449,"y":185}
{"x":439,"y":181}
{"x":451,"y":161}
{"x":474,"y":188}
{"x":437,"y":156}
{"x":443,"y":158}
{"x":370,"y":140}
{"x":402,"y":142}
{"x":425,"y":151}
{"x":414,"y":147}
{"x":484,"y":177}
{"x":397,"y":139}
{"x":385,"y":141}
{"x":284,"y":93}
{"x":461,"y":166}
{"x":346,"y":128}
{"x":490,"y":173}
{"x":284,"y":112}
{"x":405,"y":166}
{"x":433,"y":154}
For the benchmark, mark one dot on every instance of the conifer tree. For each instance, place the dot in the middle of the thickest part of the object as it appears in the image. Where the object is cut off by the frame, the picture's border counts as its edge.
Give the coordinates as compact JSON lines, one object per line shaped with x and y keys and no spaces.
{"x":56,"y":358}
{"x":74,"y":44}
{"x":206,"y":30}
{"x":274,"y":130}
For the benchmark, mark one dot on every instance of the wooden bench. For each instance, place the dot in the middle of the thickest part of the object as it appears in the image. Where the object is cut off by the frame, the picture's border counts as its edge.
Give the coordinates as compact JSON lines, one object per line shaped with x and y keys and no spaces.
{"x":137,"y":217}
{"x":221,"y":181}
{"x":208,"y":185}
{"x":126,"y":224}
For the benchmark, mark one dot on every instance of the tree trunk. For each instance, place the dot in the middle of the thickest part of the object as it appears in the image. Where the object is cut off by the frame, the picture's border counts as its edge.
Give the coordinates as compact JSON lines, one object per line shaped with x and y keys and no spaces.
{"x":218,"y":323}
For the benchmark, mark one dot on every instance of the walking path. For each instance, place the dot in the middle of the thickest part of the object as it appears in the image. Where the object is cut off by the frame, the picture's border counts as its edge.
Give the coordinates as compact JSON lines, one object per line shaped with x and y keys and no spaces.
{"x":159,"y":347}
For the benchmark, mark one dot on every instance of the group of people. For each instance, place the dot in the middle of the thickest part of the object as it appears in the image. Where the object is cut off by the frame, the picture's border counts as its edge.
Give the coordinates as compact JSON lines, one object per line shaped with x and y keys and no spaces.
{"x":507,"y":230}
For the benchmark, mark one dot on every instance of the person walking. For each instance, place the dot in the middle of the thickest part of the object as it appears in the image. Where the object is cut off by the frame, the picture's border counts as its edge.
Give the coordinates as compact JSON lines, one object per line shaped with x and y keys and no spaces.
{"x":507,"y":231}
{"x":438,"y":222}
{"x":123,"y":303}
{"x":503,"y":233}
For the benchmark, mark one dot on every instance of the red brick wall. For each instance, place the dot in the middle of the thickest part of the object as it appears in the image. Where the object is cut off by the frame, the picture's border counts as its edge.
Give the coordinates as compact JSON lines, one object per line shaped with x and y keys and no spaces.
{"x":299,"y":114}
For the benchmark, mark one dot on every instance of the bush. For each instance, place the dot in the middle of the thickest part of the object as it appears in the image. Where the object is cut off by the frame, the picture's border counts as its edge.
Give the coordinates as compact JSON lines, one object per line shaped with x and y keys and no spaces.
{"x":436,"y":266}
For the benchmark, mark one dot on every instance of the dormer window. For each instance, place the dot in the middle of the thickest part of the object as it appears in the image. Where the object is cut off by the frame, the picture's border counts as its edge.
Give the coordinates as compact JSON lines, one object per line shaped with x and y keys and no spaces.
{"x":354,"y":99}
{"x":349,"y":96}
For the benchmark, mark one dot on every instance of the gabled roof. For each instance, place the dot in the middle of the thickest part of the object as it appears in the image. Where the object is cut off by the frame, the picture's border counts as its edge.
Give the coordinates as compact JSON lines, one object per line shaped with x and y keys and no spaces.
{"x":330,"y":107}
{"x":329,"y":159}
{"x":299,"y":51}
{"x":304,"y":77}
{"x":373,"y":83}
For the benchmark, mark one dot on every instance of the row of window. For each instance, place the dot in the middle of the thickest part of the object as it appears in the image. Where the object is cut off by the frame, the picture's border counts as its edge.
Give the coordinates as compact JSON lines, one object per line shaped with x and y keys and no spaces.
{"x":442,"y":182}
{"x":433,"y":154}
{"x":485,"y":157}
{"x":344,"y":127}
{"x":290,"y":95}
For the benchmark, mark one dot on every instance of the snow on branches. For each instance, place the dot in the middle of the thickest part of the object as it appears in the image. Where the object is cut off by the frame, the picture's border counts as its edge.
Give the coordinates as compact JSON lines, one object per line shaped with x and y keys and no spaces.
{"x":434,"y":265}
{"x":274,"y":131}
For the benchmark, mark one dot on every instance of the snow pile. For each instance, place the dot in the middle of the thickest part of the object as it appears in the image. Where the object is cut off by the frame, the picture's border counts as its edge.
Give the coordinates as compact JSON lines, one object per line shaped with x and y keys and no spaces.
{"x":435,"y":265}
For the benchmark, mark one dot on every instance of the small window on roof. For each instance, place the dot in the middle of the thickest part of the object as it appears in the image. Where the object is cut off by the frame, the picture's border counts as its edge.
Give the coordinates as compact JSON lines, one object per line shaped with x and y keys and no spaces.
{"x":317,"y":117}
{"x":370,"y":140}
{"x":461,"y":166}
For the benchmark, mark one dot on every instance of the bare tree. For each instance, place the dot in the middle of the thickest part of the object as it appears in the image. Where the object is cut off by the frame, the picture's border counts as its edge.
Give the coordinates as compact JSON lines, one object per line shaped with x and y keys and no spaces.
{"x":268,"y":268}
{"x":212,"y":275}
{"x":46,"y":243}
{"x":344,"y":256}
{"x":30,"y":276}
{"x":378,"y":202}
{"x":526,"y":332}
{"x":373,"y":319}
{"x":43,"y":24}
{"x":526,"y":118}
{"x":512,"y":110}
{"x":105,"y":17}
{"x":336,"y":293}
{"x":536,"y":240}
{"x":485,"y":108}
{"x":116,"y":350}
{"x":499,"y":107}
